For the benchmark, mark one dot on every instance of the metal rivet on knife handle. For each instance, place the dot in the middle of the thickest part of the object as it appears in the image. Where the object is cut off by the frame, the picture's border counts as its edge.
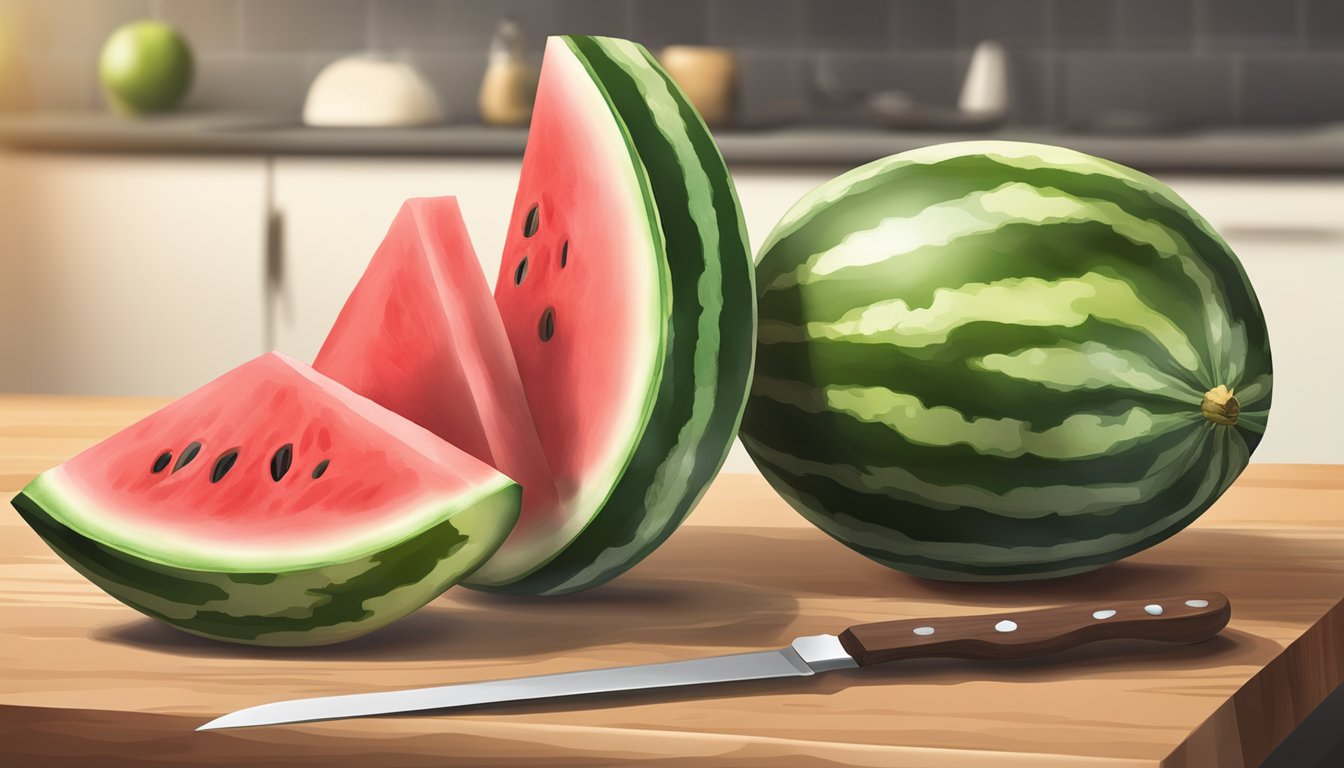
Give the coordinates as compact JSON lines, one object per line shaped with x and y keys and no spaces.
{"x":1020,"y":634}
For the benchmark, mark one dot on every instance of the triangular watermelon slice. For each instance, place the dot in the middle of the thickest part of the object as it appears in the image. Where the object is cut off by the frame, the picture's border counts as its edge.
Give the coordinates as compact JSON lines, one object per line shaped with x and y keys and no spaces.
{"x":627,"y":297}
{"x":273,"y":506}
{"x":420,"y":336}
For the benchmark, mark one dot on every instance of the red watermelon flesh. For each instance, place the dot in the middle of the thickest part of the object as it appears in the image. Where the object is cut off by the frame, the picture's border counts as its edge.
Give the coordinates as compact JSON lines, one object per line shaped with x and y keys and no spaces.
{"x":273,"y":506}
{"x":420,"y":336}
{"x":377,"y":472}
{"x":585,"y":314}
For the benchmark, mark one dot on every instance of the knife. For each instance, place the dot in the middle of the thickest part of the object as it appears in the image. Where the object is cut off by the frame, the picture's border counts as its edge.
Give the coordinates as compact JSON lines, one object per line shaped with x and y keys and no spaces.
{"x":1015,"y":635}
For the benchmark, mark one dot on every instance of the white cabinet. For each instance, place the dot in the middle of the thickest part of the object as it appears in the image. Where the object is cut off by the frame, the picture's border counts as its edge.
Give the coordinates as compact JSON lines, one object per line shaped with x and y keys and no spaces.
{"x":136,"y":275}
{"x":1289,"y":235}
{"x":767,"y":194}
{"x":331,"y":214}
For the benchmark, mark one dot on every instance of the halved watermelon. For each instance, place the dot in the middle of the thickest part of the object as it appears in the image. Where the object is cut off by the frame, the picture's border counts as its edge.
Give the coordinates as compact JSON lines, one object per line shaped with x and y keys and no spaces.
{"x":627,"y":301}
{"x":626,"y":289}
{"x":273,"y":506}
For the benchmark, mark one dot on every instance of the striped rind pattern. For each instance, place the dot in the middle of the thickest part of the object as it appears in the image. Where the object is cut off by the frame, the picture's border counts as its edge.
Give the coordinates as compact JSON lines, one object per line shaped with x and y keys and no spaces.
{"x":711,"y":330}
{"x":987,"y":360}
{"x":281,"y":606}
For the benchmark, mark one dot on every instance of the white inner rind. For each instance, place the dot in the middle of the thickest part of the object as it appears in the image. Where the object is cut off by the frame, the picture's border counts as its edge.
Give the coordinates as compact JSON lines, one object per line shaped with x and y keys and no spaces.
{"x":60,"y":497}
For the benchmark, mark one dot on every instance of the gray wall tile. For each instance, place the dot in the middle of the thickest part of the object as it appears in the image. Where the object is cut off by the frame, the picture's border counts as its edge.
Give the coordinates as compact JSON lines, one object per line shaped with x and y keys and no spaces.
{"x":270,"y":83}
{"x":72,"y":27}
{"x":1241,"y":24}
{"x":1156,"y":24}
{"x":756,"y":23}
{"x":457,"y":79}
{"x":1292,"y":88}
{"x":439,"y":25}
{"x":1032,"y":87}
{"x":1087,"y":24}
{"x":657,"y":24}
{"x":1019,"y":23}
{"x":847,"y":24}
{"x":208,"y":25}
{"x":1324,"y":23}
{"x":1155,"y":91}
{"x":612,"y":18}
{"x":305,"y":25}
{"x":844,"y":78}
{"x":1075,"y":62}
{"x":424,"y":24}
{"x":773,"y":88}
{"x":923,"y":24}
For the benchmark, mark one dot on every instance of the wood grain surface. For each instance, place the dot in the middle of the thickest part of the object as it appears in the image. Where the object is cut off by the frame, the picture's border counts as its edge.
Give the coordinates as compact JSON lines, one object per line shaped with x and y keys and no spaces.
{"x":86,"y":681}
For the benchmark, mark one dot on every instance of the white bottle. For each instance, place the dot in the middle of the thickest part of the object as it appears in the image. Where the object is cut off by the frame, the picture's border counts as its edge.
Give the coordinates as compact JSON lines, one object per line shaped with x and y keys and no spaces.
{"x":984,"y":93}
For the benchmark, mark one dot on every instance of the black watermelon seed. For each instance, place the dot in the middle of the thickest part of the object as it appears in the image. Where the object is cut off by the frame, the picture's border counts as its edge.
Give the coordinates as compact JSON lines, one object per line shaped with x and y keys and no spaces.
{"x":564,"y":254}
{"x":546,"y":328}
{"x":533,"y":221}
{"x":281,"y":460}
{"x":161,"y":463}
{"x":520,"y":272}
{"x":188,"y":454}
{"x":223,"y":464}
{"x":321,"y":468}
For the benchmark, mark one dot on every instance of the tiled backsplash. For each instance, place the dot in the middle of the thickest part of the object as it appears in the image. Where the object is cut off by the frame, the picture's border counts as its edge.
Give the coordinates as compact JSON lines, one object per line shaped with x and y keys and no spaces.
{"x":1086,"y":64}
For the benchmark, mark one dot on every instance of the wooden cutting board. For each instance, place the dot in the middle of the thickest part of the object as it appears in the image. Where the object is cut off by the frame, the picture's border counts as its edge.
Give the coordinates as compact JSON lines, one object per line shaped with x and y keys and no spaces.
{"x":86,"y":681}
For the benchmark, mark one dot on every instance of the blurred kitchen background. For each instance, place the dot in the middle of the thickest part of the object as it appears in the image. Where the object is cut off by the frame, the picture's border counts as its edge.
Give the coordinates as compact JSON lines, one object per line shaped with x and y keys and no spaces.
{"x":1075,"y":64}
{"x":144,"y":255}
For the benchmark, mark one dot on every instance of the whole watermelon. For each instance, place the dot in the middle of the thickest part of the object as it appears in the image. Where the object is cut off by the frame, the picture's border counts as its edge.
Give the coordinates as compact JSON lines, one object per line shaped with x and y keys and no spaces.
{"x":1000,"y":361}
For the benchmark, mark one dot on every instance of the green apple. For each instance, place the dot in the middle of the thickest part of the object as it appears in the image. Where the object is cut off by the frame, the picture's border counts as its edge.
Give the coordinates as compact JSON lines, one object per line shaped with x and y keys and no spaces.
{"x":146,"y":66}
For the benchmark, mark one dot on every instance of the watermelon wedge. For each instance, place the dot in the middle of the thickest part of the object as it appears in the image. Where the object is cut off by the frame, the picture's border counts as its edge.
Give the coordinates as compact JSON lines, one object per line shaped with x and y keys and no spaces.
{"x":626,"y":289}
{"x":420,"y":335}
{"x":273,"y":506}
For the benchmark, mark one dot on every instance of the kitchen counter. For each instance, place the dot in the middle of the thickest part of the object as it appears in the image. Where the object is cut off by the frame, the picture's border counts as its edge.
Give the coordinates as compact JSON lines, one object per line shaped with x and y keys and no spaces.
{"x":1315,"y":150}
{"x":85,"y":678}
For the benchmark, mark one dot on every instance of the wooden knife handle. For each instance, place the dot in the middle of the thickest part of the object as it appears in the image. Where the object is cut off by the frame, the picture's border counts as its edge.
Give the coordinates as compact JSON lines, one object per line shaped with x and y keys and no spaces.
{"x":1021,"y":634}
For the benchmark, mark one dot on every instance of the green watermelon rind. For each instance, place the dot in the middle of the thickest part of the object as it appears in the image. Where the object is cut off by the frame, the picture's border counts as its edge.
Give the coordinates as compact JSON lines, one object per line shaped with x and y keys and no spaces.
{"x":701,"y":397}
{"x":354,"y":592}
{"x":957,"y":511}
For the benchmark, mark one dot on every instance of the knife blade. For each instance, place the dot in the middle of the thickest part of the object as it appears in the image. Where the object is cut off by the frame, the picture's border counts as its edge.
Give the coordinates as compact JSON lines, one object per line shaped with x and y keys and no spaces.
{"x":1019,"y":634}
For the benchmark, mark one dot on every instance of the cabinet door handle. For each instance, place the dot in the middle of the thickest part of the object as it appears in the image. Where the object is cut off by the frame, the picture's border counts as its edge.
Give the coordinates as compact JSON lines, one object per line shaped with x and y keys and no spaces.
{"x":275,"y":249}
{"x":274,"y":278}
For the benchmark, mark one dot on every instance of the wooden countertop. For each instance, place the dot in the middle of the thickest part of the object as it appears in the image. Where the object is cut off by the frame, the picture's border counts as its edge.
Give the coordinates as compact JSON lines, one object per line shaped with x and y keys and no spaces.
{"x":86,"y":681}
